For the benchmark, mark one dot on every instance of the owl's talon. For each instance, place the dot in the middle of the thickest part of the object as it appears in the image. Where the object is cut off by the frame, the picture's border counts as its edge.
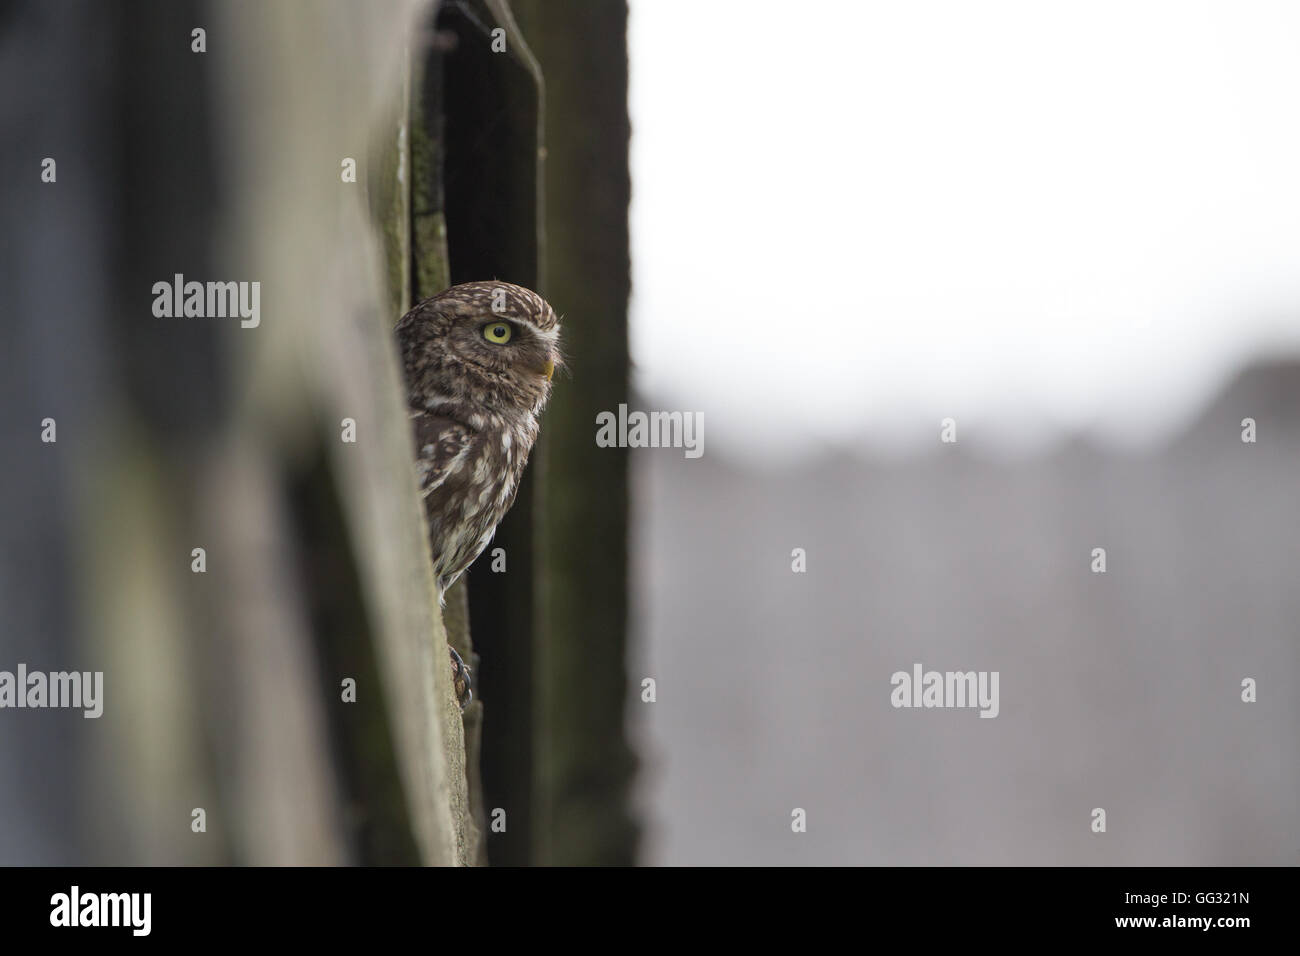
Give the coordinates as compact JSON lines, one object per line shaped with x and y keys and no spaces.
{"x":460,"y":681}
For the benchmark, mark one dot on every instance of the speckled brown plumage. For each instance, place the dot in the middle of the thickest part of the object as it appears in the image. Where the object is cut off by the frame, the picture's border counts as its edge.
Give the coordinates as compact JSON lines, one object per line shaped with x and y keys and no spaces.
{"x":475,"y":407}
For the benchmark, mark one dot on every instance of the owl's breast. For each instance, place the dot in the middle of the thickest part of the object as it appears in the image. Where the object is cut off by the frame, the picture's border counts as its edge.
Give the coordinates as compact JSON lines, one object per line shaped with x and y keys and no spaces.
{"x":478,"y":489}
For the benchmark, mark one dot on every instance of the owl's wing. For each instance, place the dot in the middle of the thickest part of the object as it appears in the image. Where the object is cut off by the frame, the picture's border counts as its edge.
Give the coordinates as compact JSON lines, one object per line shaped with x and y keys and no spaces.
{"x":441,"y":446}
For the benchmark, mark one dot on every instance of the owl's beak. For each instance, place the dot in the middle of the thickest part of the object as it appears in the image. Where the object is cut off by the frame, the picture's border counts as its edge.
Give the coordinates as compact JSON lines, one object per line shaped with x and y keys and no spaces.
{"x":549,"y":369}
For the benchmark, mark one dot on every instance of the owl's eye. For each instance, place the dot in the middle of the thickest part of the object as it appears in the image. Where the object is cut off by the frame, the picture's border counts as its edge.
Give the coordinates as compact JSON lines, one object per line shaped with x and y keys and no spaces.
{"x":498,"y":333}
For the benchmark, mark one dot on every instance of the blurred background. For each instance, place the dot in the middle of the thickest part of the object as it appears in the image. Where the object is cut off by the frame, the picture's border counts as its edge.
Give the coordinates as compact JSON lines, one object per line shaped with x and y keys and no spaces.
{"x":1070,"y":230}
{"x":1075,"y":230}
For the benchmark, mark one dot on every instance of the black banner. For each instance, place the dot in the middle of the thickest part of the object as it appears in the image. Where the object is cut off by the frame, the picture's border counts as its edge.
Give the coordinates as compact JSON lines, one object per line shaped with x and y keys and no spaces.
{"x":335,"y":906}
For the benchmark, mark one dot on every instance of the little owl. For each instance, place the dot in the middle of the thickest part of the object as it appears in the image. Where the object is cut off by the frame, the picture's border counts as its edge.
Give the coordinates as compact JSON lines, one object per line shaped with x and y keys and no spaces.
{"x":478,"y":360}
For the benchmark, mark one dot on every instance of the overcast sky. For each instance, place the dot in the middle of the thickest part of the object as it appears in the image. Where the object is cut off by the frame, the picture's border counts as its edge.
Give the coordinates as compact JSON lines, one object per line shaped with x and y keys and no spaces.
{"x":852,"y":219}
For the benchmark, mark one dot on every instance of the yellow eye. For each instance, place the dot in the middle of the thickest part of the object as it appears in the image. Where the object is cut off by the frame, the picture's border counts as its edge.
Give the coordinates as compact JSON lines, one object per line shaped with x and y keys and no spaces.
{"x":498,"y":333}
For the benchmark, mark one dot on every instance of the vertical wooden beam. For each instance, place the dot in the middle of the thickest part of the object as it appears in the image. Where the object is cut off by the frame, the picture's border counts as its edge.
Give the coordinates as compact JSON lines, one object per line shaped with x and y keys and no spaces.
{"x":585,"y":764}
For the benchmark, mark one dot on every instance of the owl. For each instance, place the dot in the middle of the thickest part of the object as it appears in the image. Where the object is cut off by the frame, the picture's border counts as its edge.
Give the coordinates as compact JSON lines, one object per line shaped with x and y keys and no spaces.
{"x":478,"y":360}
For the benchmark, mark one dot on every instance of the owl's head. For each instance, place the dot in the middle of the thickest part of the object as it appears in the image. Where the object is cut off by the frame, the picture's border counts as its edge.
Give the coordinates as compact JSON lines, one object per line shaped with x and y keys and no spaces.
{"x":491,"y":344}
